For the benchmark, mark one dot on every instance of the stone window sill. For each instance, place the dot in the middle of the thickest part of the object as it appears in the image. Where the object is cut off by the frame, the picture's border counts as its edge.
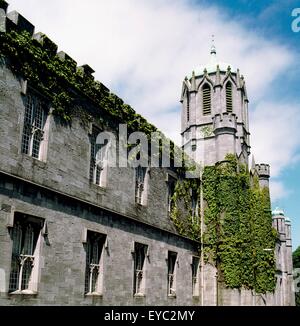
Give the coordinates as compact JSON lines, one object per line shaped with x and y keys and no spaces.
{"x":23,"y":292}
{"x":172,"y":296}
{"x":94,"y":294}
{"x":140,"y":206}
{"x":98,"y":188}
{"x":139,"y":295}
{"x":34,"y":160}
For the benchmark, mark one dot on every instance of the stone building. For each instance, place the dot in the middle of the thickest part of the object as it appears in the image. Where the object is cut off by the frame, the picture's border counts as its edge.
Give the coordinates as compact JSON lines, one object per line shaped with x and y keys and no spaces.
{"x":74,"y":231}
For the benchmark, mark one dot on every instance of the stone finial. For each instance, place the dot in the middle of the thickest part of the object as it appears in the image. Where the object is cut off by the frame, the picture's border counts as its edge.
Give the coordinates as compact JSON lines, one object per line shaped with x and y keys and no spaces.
{"x":21,"y":23}
{"x":218,"y":76}
{"x":239,"y":80}
{"x":193,"y":82}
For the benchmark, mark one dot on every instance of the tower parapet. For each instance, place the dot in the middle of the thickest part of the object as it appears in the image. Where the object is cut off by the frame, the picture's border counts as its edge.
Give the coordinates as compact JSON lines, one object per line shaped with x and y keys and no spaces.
{"x":263,"y":171}
{"x":279,"y":223}
{"x":224,"y":123}
{"x":225,"y":128}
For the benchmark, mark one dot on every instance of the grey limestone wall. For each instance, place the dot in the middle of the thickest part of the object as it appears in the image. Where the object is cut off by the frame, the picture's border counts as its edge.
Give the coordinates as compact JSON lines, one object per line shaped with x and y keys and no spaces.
{"x":67,"y":163}
{"x":62,"y":266}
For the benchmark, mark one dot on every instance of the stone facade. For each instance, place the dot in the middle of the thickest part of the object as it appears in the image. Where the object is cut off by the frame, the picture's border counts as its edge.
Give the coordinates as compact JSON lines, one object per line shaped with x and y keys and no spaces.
{"x":59,"y":191}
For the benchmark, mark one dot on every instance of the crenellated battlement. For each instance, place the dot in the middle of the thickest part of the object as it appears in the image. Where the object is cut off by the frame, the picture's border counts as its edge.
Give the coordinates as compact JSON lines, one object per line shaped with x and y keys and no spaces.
{"x":263,"y":170}
{"x":20,"y":22}
{"x":15,"y":21}
{"x":40,"y":54}
{"x":225,"y":121}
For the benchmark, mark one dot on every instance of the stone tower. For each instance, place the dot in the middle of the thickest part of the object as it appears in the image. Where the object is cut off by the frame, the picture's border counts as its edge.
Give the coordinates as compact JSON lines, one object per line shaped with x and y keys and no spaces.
{"x":214,"y":120}
{"x":284,"y":294}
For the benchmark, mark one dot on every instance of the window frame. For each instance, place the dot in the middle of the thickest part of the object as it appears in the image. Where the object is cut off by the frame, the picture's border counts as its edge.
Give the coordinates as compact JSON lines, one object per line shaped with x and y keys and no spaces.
{"x":140,"y":177}
{"x":35,"y":129}
{"x":195,"y":265}
{"x":24,"y":268}
{"x":139,"y":274}
{"x":171,"y":185}
{"x":98,"y":159}
{"x":172,"y":273}
{"x":94,"y":286}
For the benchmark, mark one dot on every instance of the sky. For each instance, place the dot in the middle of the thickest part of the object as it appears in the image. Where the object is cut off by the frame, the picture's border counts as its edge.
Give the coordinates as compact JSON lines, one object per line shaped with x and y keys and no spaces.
{"x":143,"y":49}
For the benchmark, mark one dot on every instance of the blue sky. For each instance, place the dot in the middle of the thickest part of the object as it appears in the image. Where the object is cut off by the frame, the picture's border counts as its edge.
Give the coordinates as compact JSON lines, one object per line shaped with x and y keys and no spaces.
{"x":142,"y":50}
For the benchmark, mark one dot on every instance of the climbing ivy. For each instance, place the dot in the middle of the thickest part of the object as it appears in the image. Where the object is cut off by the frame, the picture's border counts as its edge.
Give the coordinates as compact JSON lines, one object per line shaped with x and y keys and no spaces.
{"x":64,"y":85}
{"x":185,"y":217}
{"x":239,"y":237}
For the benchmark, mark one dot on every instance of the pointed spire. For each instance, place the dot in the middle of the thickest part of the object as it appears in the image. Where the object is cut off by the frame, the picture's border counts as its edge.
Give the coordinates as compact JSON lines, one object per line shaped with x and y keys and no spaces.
{"x":213,"y":52}
{"x":213,"y":48}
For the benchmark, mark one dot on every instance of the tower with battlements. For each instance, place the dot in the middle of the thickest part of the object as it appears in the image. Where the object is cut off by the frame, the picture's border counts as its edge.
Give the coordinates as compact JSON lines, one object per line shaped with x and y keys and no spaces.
{"x":214,"y":120}
{"x":214,"y":123}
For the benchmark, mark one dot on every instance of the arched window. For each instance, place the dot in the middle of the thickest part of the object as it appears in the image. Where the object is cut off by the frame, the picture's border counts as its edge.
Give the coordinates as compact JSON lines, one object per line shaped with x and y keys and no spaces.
{"x":140,"y":175}
{"x":229,"y":97}
{"x":98,"y":159}
{"x":206,"y":94}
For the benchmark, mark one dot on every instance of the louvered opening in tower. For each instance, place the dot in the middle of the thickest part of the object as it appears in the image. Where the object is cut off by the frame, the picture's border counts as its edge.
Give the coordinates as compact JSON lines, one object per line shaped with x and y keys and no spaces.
{"x":229,"y":97}
{"x":206,"y":99}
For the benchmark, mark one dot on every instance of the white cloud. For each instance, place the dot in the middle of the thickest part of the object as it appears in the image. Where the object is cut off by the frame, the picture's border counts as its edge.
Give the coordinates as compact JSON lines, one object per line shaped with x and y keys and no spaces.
{"x":143,"y":49}
{"x":278,"y":191}
{"x":276,"y":134}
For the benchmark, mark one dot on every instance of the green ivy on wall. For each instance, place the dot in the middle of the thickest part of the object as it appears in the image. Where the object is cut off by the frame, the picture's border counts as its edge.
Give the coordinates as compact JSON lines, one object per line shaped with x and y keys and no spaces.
{"x":239,"y":237}
{"x":63,"y":84}
{"x":185,"y":217}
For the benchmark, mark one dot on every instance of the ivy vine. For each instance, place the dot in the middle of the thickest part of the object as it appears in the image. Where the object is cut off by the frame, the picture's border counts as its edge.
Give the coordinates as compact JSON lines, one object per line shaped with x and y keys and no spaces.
{"x":65,"y":86}
{"x":184,"y":212}
{"x":239,"y":237}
